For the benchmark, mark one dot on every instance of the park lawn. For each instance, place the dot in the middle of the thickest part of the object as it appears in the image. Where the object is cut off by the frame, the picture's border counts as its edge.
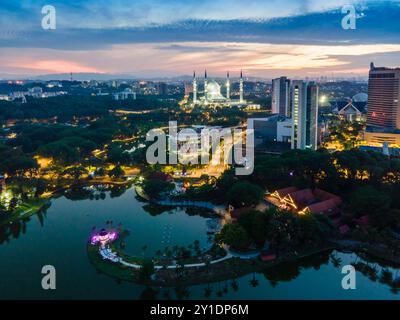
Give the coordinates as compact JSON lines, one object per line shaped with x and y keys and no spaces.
{"x":25,"y":210}
{"x":107,"y":267}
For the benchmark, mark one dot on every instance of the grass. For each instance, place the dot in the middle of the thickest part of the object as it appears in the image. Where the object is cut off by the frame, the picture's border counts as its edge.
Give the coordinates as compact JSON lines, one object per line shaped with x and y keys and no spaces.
{"x":25,"y":210}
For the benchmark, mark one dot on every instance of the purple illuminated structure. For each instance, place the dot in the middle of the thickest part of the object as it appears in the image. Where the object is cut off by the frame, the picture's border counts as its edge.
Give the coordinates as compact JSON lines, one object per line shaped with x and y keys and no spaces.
{"x":104,"y":237}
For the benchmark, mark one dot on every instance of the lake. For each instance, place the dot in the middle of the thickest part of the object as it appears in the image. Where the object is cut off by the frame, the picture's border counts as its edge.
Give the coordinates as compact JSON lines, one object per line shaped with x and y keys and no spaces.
{"x":59,"y":235}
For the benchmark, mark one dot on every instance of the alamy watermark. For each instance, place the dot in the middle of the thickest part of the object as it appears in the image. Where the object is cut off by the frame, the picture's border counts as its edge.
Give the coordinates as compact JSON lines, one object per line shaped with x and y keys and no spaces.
{"x":349,"y":280}
{"x":49,"y":21}
{"x":349,"y":21}
{"x":49,"y":279}
{"x":189,"y":146}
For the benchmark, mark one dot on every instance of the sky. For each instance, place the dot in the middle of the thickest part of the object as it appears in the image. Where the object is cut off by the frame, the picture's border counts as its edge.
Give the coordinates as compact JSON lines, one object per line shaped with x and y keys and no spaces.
{"x":157,"y":38}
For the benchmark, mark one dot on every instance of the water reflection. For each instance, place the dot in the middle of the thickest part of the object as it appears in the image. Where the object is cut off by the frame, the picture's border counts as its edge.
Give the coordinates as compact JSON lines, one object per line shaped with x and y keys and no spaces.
{"x":13,"y":230}
{"x":373,"y":270}
{"x":74,"y":220}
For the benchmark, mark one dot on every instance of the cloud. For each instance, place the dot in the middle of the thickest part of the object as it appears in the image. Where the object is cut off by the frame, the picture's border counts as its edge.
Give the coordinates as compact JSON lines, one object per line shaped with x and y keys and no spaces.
{"x":257,"y":59}
{"x":379,"y":24}
{"x":169,"y":37}
{"x":139,"y":13}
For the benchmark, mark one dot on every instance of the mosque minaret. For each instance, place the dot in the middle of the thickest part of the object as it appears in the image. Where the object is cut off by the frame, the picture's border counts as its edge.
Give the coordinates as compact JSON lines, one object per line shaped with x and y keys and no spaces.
{"x":212,"y":92}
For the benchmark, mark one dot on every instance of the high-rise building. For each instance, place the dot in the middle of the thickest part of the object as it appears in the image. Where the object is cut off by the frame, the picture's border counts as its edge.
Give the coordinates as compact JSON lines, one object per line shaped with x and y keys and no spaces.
{"x":304,"y":97}
{"x":162,"y":89}
{"x":384,"y":98}
{"x":241,"y":88}
{"x":281,"y":96}
{"x":194,"y":87}
{"x":228,"y":86}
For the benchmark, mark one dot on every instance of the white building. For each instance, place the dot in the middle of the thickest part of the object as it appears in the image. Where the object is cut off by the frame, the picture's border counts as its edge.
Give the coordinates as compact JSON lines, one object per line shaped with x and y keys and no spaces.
{"x":125,"y":95}
{"x":284,"y":130}
{"x":212,"y":93}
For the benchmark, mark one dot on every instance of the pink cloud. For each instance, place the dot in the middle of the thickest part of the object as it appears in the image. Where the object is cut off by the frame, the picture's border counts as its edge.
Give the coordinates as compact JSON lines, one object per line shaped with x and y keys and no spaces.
{"x":57,"y":66}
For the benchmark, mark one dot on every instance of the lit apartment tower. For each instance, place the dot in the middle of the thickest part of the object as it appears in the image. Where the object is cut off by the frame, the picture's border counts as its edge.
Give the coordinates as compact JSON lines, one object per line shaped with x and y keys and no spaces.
{"x":281,"y":96}
{"x":384,"y":98}
{"x":304,"y":115}
{"x":205,"y":86}
{"x":228,"y":86}
{"x":194,"y":87}
{"x":241,"y":88}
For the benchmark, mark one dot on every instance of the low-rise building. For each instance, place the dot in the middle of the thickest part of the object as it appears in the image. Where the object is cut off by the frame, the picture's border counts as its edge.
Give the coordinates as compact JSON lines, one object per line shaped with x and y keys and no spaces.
{"x":351,"y":111}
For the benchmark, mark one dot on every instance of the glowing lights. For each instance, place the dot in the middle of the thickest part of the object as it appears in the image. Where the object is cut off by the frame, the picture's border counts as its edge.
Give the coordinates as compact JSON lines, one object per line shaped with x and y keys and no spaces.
{"x":323,"y":99}
{"x":104,"y":237}
{"x":43,"y":162}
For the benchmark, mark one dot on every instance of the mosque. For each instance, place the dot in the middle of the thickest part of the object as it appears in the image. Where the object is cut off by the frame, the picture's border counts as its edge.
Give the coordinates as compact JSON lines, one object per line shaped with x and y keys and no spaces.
{"x":212,"y":95}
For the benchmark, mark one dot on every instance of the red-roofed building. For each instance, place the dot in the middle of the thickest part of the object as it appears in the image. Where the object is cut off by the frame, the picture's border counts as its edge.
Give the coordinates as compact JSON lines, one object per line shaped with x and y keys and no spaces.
{"x":363,"y":221}
{"x":344,"y":229}
{"x":281,"y":193}
{"x":307,"y":201}
{"x":299,"y":199}
{"x":267,"y":256}
{"x":327,"y":207}
{"x":324,"y":195}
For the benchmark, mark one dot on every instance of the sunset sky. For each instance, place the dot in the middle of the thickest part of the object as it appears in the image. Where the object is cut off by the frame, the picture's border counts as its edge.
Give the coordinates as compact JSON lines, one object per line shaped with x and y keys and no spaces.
{"x":151,"y":38}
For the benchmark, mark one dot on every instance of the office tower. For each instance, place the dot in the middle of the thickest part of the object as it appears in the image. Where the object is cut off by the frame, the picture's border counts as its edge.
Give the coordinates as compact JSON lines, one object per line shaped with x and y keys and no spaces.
{"x":384,"y":98}
{"x":304,"y":115}
{"x":281,"y":96}
{"x":162,"y":89}
{"x":194,"y":88}
{"x":241,"y":88}
{"x":228,"y":86}
{"x":205,"y":87}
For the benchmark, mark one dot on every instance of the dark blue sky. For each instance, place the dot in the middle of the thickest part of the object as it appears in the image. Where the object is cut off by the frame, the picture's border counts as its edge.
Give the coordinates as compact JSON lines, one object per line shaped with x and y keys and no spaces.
{"x":153,"y":37}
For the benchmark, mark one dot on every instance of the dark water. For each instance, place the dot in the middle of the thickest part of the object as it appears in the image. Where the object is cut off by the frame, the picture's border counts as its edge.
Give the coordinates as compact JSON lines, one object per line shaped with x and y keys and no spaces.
{"x":58,"y":237}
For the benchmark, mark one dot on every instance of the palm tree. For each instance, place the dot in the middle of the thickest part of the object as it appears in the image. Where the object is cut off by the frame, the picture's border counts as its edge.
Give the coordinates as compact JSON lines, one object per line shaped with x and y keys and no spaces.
{"x":169,"y":254}
{"x":336,"y":261}
{"x":158,"y":254}
{"x":182,"y":292}
{"x":386,"y":277}
{"x":144,"y":248}
{"x":175,"y":250}
{"x":207,"y":291}
{"x":373,"y":274}
{"x":167,"y":295}
{"x":234,"y":285}
{"x":254,"y":282}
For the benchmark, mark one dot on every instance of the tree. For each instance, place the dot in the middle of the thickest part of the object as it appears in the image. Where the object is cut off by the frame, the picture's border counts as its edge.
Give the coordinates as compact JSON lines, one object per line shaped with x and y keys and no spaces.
{"x":116,"y":172}
{"x":155,"y":187}
{"x":233,"y":235}
{"x":75,"y":172}
{"x":19,"y":165}
{"x":255,"y":223}
{"x":368,"y":200}
{"x":146,"y":270}
{"x":244,"y":193}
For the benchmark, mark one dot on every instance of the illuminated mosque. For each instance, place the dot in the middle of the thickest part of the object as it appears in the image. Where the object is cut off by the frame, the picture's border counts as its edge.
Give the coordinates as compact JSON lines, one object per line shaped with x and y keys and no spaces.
{"x":212,"y":95}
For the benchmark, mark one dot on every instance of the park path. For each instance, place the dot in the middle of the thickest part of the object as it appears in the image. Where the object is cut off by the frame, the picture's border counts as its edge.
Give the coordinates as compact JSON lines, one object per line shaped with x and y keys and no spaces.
{"x":173,"y":266}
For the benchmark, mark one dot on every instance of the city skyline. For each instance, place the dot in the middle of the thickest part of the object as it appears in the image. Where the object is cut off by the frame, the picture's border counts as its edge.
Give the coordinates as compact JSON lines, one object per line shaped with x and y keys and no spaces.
{"x":298,"y":39}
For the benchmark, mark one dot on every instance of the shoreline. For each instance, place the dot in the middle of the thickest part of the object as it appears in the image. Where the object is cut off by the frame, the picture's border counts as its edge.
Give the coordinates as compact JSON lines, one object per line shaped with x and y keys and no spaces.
{"x":232,"y":268}
{"x":16,"y":216}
